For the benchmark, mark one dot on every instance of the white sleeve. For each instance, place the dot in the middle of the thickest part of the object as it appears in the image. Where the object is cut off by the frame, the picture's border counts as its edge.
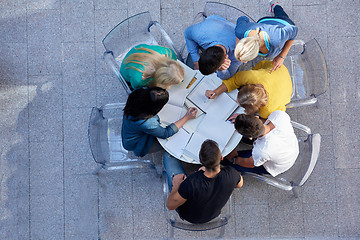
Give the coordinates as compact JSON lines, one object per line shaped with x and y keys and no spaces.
{"x":259,"y":156}
{"x":278,"y":118}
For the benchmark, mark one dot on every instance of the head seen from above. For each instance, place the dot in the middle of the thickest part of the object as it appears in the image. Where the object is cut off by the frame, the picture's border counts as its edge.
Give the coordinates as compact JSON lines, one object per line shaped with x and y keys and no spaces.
{"x":144,"y":103}
{"x":164,"y":70}
{"x":211,"y":59}
{"x":210,"y":155}
{"x":249,"y":126}
{"x":248,"y":48}
{"x":252,"y":97}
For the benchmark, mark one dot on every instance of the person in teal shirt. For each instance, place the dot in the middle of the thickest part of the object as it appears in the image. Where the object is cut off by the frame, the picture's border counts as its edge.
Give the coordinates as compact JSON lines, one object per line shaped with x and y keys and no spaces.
{"x":151,"y":65}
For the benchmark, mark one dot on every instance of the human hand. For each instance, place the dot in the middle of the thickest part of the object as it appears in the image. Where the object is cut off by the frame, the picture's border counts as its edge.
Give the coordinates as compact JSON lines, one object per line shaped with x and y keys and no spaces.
{"x":178,"y":179}
{"x":277,"y":63}
{"x":191,"y":113}
{"x":196,"y":65}
{"x":210,"y":94}
{"x":226,"y":64}
{"x":233,"y":117}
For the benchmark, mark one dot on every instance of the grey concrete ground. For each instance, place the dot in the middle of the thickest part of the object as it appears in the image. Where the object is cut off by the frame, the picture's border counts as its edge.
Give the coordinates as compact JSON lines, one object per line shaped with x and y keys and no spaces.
{"x":52,"y":73}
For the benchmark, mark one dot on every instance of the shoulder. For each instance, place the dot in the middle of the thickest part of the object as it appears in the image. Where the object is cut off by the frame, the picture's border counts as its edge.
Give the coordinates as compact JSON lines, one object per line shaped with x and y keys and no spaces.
{"x":279,"y":117}
{"x":150,"y":123}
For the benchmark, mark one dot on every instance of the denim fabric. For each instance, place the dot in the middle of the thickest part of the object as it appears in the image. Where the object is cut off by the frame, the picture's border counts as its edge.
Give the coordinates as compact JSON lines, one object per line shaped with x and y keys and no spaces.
{"x":172,"y":167}
{"x":138,"y":136}
{"x":212,"y":31}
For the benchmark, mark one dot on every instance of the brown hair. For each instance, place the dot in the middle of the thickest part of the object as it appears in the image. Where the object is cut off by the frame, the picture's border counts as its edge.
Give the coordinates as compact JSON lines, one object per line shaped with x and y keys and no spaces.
{"x":210,"y":155}
{"x":252,"y":97}
{"x":249,"y":126}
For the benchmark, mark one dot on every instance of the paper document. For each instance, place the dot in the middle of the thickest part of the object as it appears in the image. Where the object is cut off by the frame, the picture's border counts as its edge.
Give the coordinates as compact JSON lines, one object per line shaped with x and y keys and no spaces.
{"x":178,"y":142}
{"x":170,"y":113}
{"x":193,"y":147}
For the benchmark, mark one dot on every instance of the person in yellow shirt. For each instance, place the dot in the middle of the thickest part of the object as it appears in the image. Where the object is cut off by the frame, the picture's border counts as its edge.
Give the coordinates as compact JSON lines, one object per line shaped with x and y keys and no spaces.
{"x":259,"y":91}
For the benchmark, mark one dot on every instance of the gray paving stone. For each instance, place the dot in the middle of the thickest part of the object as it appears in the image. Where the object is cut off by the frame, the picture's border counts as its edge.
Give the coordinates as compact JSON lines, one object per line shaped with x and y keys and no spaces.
{"x":81,"y":206}
{"x":16,"y":4}
{"x":78,"y":75}
{"x":13,"y":25}
{"x":50,"y":208}
{"x":39,"y":4}
{"x":110,"y":4}
{"x":44,"y":59}
{"x":46,"y":169}
{"x":320,"y":220}
{"x":252,"y":192}
{"x":105,"y":20}
{"x":313,"y":24}
{"x":347,"y":11}
{"x":248,"y":7}
{"x":13,"y":60}
{"x":77,"y":155}
{"x":252,"y":220}
{"x":45,"y":109}
{"x":348,"y":203}
{"x":345,"y":146}
{"x":153,"y":6}
{"x":116,"y":223}
{"x":77,"y":20}
{"x":43,"y":26}
{"x":13,"y":96}
{"x":109,"y":90}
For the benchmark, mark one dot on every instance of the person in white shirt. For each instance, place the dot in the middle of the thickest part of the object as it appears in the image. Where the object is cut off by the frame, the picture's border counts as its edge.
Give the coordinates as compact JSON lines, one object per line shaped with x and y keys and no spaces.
{"x":275,"y":149}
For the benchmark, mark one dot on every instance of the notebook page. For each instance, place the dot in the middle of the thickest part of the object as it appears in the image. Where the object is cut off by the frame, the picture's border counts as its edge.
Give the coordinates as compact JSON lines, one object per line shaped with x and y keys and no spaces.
{"x":177,"y":142}
{"x":170,"y":113}
{"x":192,"y":149}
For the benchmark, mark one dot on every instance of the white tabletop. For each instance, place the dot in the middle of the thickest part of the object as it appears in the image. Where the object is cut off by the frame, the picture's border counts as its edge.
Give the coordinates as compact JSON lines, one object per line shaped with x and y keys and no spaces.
{"x":192,"y":125}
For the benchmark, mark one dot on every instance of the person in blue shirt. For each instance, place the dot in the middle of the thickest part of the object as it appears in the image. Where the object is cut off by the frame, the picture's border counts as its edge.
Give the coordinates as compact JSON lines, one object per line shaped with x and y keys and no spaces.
{"x":141,"y":125}
{"x":215,"y":37}
{"x":270,"y":37}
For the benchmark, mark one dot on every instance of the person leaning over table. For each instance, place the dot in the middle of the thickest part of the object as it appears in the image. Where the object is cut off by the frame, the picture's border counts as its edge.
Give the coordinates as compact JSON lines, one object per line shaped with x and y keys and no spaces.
{"x":151,"y":65}
{"x":270,"y":37}
{"x":200,"y":197}
{"x":259,"y":91}
{"x":141,"y":125}
{"x":275,"y":149}
{"x":215,"y":36}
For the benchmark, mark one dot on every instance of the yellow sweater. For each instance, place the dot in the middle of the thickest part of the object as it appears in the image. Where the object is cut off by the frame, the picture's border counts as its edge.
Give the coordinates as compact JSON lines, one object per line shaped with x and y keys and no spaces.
{"x":278,"y":85}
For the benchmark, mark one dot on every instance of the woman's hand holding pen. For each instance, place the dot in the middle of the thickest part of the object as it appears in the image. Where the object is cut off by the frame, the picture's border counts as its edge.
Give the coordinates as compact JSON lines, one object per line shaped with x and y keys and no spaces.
{"x":210,"y":94}
{"x":191,"y":113}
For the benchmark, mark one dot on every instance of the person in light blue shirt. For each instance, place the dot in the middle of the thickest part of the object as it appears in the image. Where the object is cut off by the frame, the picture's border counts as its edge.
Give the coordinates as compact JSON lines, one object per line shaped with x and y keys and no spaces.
{"x":270,"y":37}
{"x":141,"y":125}
{"x":215,"y":36}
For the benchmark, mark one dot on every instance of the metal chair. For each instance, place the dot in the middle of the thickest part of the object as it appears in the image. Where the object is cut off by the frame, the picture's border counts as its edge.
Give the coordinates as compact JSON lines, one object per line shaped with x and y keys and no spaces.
{"x":175,"y":221}
{"x":104,"y":134}
{"x":297,"y":175}
{"x":308,"y":72}
{"x":135,"y":30}
{"x":226,"y":11}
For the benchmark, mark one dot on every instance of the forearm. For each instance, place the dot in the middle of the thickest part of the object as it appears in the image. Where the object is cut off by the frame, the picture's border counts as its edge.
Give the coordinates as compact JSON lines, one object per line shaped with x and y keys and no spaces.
{"x":179,"y":123}
{"x":222,"y":88}
{"x":245,"y":162}
{"x":286,"y":48}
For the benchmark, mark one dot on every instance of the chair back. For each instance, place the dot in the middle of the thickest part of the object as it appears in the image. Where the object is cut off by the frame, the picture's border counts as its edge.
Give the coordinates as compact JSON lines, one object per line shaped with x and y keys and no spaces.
{"x":175,"y":221}
{"x":104,"y":133}
{"x":226,"y":11}
{"x":135,"y":30}
{"x":309,"y":75}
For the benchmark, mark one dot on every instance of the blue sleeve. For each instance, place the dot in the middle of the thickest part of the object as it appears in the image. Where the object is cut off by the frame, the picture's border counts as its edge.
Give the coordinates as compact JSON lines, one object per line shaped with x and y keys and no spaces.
{"x":153,"y":128}
{"x":240,"y":26}
{"x":291,"y":31}
{"x":228,"y":73}
{"x":191,"y":44}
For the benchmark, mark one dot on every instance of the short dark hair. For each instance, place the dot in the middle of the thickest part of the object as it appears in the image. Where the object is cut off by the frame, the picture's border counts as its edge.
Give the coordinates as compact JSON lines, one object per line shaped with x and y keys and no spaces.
{"x":249,"y":126}
{"x":210,"y":155}
{"x":144,"y":103}
{"x":211,"y":59}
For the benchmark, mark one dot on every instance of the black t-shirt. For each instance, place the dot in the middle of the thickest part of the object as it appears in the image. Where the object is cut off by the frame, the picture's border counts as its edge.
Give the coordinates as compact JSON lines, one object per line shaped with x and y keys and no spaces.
{"x":206,"y":196}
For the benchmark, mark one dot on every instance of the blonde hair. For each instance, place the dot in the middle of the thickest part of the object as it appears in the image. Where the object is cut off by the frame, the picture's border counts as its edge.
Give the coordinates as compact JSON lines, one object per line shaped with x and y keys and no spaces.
{"x":252,"y":97}
{"x":248,"y":48}
{"x":161,"y":68}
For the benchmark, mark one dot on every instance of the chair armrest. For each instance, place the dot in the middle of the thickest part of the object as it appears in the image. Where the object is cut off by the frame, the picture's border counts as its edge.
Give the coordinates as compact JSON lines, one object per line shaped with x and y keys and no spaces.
{"x":276,"y":182}
{"x":301,"y":127}
{"x":302,"y":102}
{"x":110,"y":60}
{"x":167,"y":38}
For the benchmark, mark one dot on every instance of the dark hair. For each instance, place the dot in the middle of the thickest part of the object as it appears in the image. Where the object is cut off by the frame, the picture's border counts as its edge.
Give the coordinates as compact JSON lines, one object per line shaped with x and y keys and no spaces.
{"x":210,"y":155}
{"x":249,"y":126}
{"x":211,"y":59}
{"x":144,"y":103}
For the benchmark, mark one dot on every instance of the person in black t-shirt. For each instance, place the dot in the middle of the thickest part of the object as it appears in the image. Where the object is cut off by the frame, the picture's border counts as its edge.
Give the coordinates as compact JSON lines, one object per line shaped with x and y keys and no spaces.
{"x":200,"y":197}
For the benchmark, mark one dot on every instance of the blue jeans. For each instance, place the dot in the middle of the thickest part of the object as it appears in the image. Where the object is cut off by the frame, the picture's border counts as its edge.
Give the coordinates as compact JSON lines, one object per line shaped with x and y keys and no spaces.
{"x":245,"y":154}
{"x":280,"y":13}
{"x":172,"y":167}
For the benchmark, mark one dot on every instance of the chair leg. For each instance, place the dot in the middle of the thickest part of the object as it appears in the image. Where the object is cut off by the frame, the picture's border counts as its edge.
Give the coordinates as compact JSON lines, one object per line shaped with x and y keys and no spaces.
{"x":171,"y":232}
{"x":222,"y":232}
{"x":98,"y":168}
